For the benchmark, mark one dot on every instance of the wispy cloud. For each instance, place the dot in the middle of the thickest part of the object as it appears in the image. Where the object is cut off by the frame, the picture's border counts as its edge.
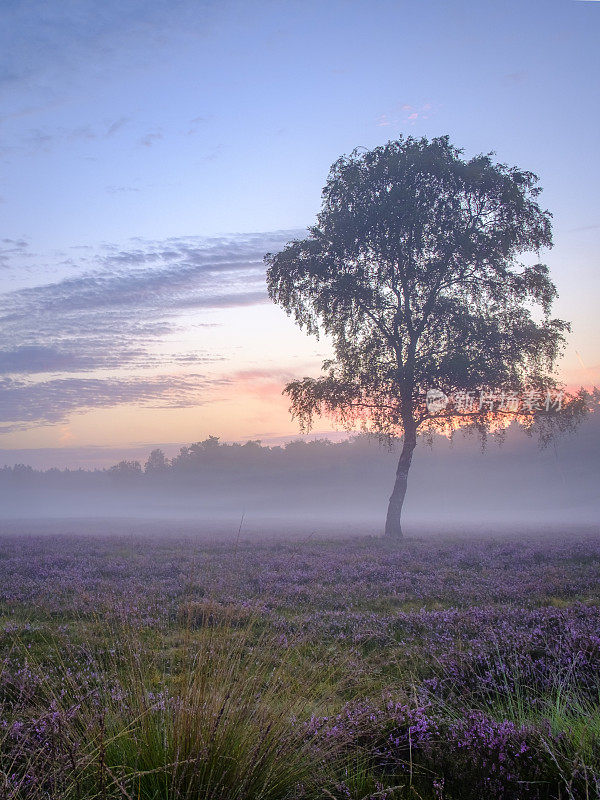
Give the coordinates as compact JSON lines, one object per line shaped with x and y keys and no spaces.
{"x":150,"y":139}
{"x":131,"y":299}
{"x":516,"y":77}
{"x":51,"y":402}
{"x":36,"y":359}
{"x":9,"y":248}
{"x":116,"y":126}
{"x":46,"y":139}
{"x":122,"y":189}
{"x":196,"y":124}
{"x":404,"y":113}
{"x":114,"y":314}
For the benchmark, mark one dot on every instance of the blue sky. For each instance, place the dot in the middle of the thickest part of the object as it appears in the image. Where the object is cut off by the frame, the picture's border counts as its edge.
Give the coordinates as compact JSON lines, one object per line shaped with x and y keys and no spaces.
{"x":151,"y":151}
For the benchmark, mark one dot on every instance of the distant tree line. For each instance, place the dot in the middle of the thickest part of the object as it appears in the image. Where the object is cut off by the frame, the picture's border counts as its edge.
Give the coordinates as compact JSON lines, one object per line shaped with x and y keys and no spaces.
{"x":204,"y":458}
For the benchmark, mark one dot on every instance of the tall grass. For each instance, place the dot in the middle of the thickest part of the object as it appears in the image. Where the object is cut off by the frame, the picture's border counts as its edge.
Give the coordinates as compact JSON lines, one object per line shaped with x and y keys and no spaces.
{"x":221,"y":717}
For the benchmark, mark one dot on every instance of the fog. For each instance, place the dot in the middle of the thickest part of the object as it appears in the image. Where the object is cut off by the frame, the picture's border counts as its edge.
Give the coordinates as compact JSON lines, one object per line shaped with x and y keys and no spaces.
{"x":320,"y":488}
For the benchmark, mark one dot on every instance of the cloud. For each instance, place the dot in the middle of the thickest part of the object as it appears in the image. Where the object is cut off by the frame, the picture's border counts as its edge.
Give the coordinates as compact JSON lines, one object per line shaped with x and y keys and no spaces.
{"x":516,"y":77}
{"x":114,"y":313}
{"x":37,"y":358}
{"x":196,"y":124}
{"x":116,"y":126}
{"x":11,"y":248}
{"x":46,"y":139}
{"x":265,"y":383}
{"x":237,"y":300}
{"x":278,"y":374}
{"x":137,"y":291}
{"x":405,"y":113}
{"x":51,"y":402}
{"x":150,"y":139}
{"x":422,"y":112}
{"x":121,"y":189}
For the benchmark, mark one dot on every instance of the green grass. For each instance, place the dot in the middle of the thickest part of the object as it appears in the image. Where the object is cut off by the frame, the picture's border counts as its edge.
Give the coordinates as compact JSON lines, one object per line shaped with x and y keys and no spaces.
{"x":216,"y":710}
{"x":221,"y":716}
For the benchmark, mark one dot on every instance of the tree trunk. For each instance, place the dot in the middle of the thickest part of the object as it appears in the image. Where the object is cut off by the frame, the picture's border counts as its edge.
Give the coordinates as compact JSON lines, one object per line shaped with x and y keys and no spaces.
{"x":393,"y":525}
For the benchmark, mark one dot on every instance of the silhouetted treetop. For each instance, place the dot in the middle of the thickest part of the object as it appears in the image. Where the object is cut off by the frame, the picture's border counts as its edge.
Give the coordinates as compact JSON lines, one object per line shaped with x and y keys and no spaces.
{"x":412,"y":269}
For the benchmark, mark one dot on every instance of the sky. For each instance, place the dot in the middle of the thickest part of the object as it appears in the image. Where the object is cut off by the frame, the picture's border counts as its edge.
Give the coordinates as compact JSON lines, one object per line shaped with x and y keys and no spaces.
{"x":152,"y":152}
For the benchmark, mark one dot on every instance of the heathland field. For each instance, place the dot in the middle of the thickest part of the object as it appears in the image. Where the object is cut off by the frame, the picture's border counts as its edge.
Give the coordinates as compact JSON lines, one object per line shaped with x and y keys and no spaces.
{"x":171,"y":667}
